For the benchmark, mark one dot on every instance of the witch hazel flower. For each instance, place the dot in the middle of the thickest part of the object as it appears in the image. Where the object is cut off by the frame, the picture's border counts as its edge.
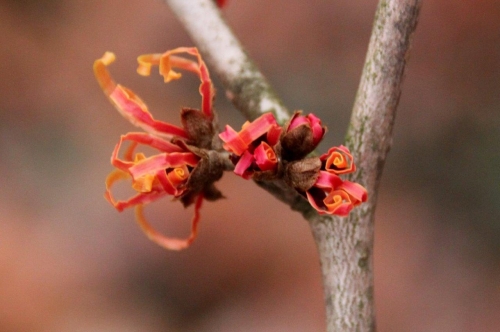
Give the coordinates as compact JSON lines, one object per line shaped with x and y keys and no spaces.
{"x":301,"y":136}
{"x":330,"y":194}
{"x":189,"y":158}
{"x":253,"y":147}
{"x":262,"y":150}
{"x":183,"y":166}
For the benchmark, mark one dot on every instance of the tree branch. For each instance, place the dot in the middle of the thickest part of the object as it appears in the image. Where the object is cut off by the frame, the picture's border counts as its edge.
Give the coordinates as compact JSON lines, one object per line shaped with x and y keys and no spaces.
{"x":345,"y":245}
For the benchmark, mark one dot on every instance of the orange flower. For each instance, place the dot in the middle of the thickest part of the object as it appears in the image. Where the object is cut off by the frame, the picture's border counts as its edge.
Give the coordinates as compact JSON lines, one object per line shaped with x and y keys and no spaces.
{"x":162,"y":174}
{"x":168,"y":172}
{"x":253,"y":145}
{"x":338,"y":160}
{"x":187,"y":161}
{"x":331,"y":195}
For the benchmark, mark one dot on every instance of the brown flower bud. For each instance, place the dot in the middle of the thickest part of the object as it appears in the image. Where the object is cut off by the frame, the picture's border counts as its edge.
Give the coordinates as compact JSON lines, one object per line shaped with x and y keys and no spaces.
{"x":302,"y":174}
{"x":300,"y":136}
{"x":209,"y":169}
{"x":199,"y":127}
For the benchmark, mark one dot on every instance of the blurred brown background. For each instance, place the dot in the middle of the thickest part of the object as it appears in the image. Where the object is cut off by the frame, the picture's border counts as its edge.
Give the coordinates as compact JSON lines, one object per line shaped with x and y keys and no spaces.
{"x":70,"y":262}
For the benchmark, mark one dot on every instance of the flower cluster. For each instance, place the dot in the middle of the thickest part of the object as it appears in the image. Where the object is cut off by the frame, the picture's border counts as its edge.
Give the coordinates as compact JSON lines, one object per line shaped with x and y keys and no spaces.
{"x":190,"y":158}
{"x":262,"y":150}
{"x":252,"y":147}
{"x":329,"y":193}
{"x":183,"y":167}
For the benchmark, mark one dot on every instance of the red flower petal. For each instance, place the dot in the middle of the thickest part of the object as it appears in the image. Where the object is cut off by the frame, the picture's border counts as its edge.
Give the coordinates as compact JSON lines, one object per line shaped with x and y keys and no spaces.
{"x":265,"y":157}
{"x":331,"y":195}
{"x":338,"y":202}
{"x":232,"y":141}
{"x":357,"y":192}
{"x":134,"y":110}
{"x":167,"y":61}
{"x":239,"y":142}
{"x":273,"y":134}
{"x":129,"y":104}
{"x":162,"y":161}
{"x":327,"y":181}
{"x":140,"y":198}
{"x":310,"y":120}
{"x":167,"y":242}
{"x":314,"y":204}
{"x":255,"y":129}
{"x":139,"y":138}
{"x":243,"y":164}
{"x":338,"y":160}
{"x":150,"y":140}
{"x":297,"y":120}
{"x":317,"y":128}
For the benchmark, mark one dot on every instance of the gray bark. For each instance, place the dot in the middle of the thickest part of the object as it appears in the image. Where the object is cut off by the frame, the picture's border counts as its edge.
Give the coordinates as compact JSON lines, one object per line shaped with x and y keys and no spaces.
{"x":345,"y":245}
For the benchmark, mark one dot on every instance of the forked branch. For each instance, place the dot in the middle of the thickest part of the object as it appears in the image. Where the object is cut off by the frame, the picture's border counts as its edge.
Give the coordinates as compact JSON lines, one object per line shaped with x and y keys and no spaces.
{"x":345,"y":245}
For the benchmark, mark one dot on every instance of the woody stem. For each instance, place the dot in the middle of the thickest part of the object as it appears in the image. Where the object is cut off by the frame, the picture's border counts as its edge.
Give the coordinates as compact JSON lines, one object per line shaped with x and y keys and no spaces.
{"x":345,"y":245}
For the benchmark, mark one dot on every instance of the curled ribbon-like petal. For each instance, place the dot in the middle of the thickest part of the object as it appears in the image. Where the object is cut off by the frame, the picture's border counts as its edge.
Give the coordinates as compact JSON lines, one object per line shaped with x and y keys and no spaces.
{"x":338,"y":160}
{"x":357,"y":193}
{"x":163,"y":161}
{"x":338,"y":202}
{"x":238,"y":142}
{"x":167,"y":61}
{"x":152,"y":177}
{"x":310,"y":120}
{"x":139,"y":198}
{"x":243,"y":164}
{"x":327,"y":180}
{"x":273,"y":134}
{"x":332,"y":195}
{"x":139,"y":138}
{"x":168,"y":242}
{"x":335,"y":201}
{"x":129,"y":104}
{"x":179,"y":169}
{"x":265,"y":157}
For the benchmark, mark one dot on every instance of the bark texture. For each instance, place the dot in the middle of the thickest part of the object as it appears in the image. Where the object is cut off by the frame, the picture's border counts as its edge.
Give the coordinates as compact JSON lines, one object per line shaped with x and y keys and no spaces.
{"x":345,"y":245}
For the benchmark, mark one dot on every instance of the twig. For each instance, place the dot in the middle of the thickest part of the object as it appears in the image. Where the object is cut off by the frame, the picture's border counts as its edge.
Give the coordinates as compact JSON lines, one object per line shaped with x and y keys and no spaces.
{"x":345,"y":245}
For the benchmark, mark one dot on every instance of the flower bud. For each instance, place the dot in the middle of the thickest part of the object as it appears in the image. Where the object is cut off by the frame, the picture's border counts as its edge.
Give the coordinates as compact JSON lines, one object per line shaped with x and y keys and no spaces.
{"x":302,"y":174}
{"x":198,"y":126}
{"x":301,"y":136}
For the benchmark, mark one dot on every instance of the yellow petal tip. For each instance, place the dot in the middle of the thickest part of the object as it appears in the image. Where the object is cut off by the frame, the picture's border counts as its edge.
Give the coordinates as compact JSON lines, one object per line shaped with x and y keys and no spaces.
{"x":108,"y":58}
